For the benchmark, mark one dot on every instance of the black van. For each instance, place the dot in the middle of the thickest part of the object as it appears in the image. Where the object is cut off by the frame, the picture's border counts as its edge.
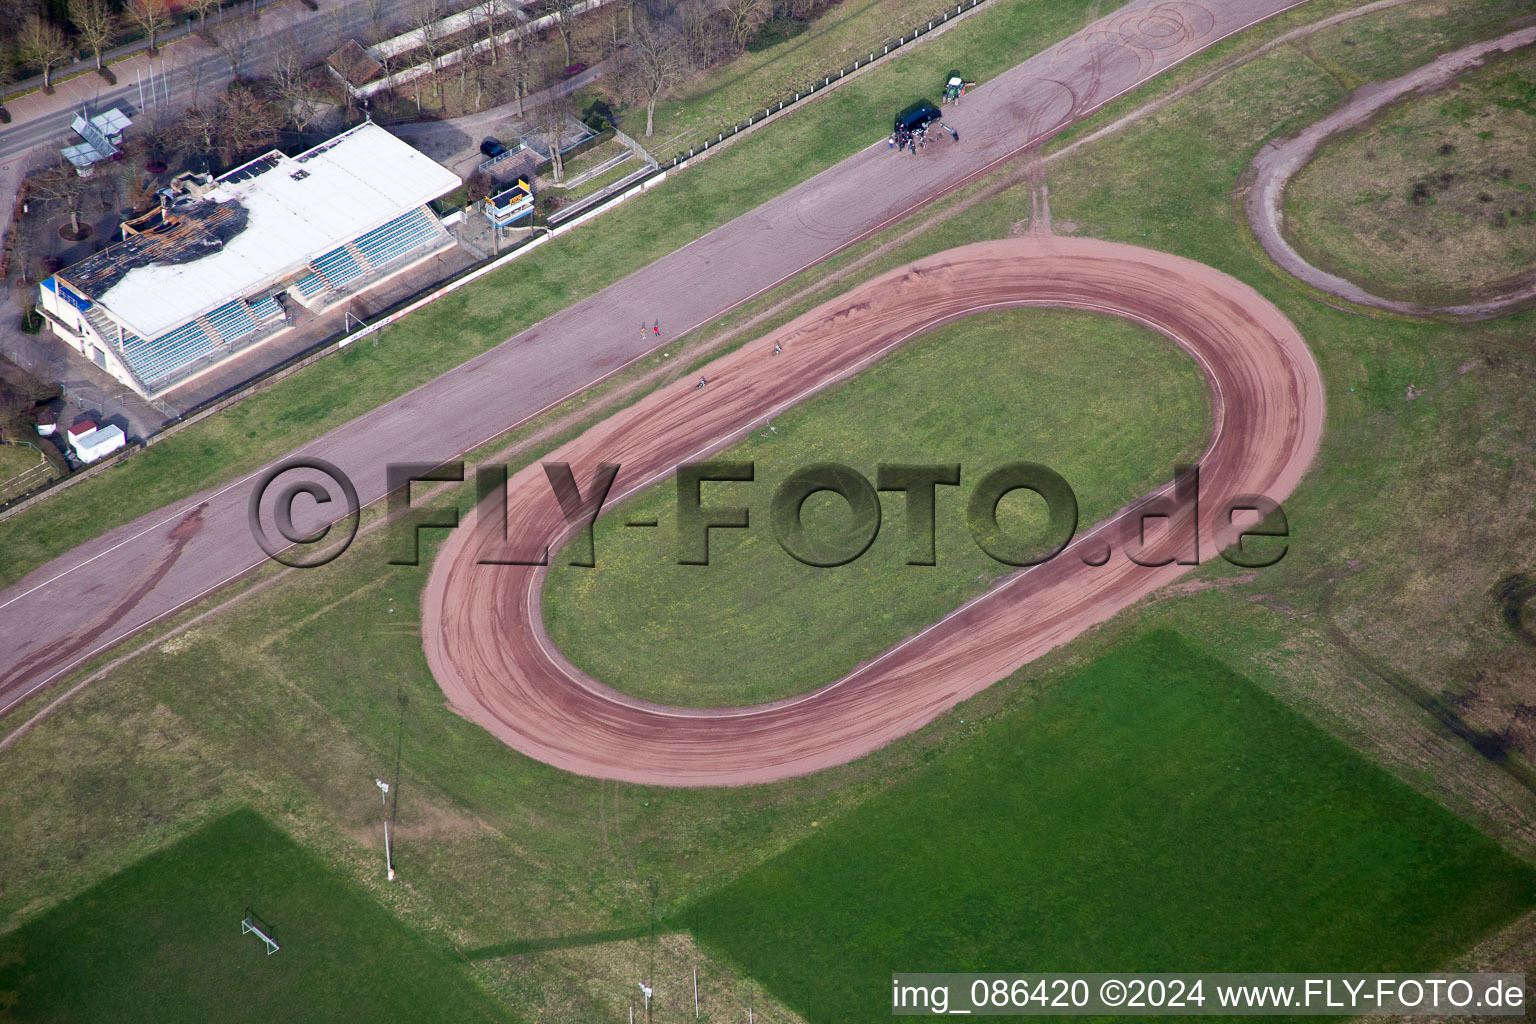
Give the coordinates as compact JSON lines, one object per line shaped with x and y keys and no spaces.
{"x":920,"y":116}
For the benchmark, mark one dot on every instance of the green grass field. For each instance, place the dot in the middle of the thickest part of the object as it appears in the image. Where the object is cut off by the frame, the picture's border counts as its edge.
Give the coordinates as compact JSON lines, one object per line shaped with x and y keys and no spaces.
{"x":296,"y":698}
{"x":161,"y":941}
{"x":1155,"y":811}
{"x":1111,"y":406}
{"x":21,"y":469}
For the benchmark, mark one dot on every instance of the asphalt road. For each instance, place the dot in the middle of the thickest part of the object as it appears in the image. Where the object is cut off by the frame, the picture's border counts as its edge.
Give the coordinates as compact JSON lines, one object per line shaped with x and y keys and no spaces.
{"x":187,"y":71}
{"x":103,"y":591}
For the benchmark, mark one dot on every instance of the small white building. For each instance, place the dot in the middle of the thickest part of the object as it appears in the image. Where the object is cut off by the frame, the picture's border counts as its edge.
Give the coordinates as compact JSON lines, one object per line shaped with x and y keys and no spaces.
{"x":91,"y":442}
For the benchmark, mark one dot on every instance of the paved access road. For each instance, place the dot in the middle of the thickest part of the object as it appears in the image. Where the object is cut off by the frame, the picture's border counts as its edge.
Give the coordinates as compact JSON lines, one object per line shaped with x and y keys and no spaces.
{"x":103,"y":591}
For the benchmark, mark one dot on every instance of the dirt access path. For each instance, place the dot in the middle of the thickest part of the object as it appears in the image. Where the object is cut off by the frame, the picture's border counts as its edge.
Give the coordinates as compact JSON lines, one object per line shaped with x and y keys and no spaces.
{"x":483,"y":626}
{"x":1279,"y":160}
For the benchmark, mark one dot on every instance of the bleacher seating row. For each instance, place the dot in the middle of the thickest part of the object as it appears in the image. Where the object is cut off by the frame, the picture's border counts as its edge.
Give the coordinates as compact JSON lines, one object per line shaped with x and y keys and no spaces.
{"x":159,"y":358}
{"x":266,"y":309}
{"x":378,"y":248}
{"x":384,"y":244}
{"x":163,"y":356}
{"x":233,"y":320}
{"x":338,"y":267}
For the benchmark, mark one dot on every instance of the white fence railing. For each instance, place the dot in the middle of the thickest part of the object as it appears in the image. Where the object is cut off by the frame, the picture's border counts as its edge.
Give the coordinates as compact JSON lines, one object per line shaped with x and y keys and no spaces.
{"x":441,"y":29}
{"x":453,"y":57}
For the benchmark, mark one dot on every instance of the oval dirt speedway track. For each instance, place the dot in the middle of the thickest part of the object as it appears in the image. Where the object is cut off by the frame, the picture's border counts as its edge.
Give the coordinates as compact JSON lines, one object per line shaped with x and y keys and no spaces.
{"x":483,"y":627}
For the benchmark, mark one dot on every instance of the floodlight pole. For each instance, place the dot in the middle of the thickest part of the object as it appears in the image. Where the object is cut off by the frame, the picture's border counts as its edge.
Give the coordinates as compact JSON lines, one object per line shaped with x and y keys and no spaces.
{"x":647,"y":991}
{"x":695,"y":991}
{"x":389,"y":862}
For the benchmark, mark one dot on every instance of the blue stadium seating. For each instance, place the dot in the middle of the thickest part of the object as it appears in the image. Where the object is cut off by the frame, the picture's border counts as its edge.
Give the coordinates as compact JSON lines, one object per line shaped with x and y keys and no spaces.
{"x":266,"y":309}
{"x":385,"y":244}
{"x":233,"y":320}
{"x":161,"y":357}
{"x":338,"y":267}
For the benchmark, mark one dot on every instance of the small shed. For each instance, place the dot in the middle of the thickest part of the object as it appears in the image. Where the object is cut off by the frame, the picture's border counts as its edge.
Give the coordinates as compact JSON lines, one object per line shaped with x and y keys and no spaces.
{"x":95,"y":442}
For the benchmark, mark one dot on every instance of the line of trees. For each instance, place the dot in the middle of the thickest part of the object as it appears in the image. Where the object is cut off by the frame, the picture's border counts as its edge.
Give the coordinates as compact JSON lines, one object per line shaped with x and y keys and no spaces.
{"x":652,"y":46}
{"x":41,"y":43}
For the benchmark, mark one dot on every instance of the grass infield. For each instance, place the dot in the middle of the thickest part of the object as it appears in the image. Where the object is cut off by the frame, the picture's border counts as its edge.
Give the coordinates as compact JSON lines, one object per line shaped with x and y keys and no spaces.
{"x":161,"y":940}
{"x":1432,"y":200}
{"x":1109,"y":405}
{"x":1154,"y":811}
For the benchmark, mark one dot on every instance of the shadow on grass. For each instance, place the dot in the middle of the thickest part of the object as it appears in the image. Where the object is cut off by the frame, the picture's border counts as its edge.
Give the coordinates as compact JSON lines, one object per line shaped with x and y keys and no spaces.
{"x":518,"y":947}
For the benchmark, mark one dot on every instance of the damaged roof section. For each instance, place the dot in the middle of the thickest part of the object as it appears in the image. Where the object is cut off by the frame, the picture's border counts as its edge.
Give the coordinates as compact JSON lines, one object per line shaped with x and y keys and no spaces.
{"x":188,"y":229}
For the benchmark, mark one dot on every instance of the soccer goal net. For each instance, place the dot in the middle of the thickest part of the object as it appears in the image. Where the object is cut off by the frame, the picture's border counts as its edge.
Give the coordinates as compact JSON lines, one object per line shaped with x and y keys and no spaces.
{"x":249,"y":926}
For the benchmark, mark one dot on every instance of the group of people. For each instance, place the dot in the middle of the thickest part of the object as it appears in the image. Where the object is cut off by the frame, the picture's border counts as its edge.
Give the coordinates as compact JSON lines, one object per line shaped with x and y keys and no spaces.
{"x":916,"y":138}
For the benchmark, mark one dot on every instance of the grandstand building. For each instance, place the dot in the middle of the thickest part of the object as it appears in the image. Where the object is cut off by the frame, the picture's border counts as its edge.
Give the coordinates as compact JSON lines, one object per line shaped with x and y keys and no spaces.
{"x":222,"y":264}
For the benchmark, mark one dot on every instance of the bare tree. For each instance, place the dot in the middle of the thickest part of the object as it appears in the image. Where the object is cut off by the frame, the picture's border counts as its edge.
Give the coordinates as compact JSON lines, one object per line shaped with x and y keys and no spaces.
{"x":194,"y":132}
{"x":551,"y":119}
{"x":565,"y":13}
{"x":478,"y":186}
{"x":202,"y":8}
{"x":747,"y":16}
{"x":696,"y":26}
{"x":233,"y":38}
{"x":334,"y":17}
{"x":42,"y":43}
{"x":658,"y":62}
{"x":471,"y":64}
{"x":245,"y":123}
{"x":63,"y":184}
{"x":490,"y":8}
{"x":151,"y":16}
{"x":375,"y":10}
{"x":426,"y":18}
{"x":520,"y":69}
{"x":95,"y":22}
{"x":290,"y":82}
{"x":616,"y":42}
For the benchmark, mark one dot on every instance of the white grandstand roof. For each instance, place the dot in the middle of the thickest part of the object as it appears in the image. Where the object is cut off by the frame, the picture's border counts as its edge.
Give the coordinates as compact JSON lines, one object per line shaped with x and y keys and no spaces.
{"x":297,"y":208}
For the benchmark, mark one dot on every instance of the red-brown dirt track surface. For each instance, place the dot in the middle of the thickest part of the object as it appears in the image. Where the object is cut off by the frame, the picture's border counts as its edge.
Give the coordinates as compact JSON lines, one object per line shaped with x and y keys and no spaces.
{"x":482,"y":624}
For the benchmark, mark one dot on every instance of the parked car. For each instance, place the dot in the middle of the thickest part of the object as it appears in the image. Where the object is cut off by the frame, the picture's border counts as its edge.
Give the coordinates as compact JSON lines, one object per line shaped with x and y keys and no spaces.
{"x":573,"y":70}
{"x":492,"y":148}
{"x":919,"y":116}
